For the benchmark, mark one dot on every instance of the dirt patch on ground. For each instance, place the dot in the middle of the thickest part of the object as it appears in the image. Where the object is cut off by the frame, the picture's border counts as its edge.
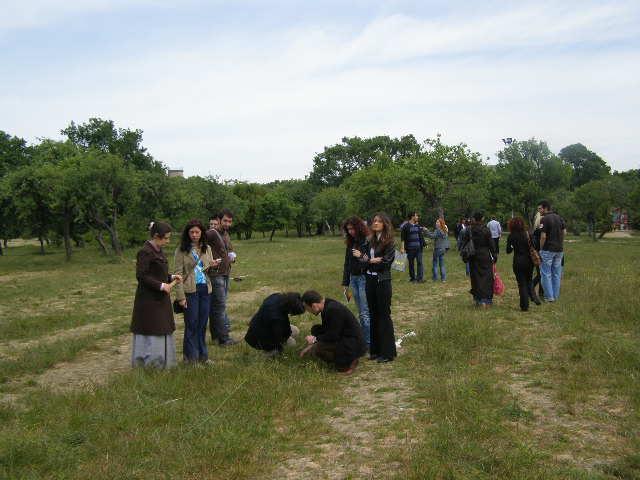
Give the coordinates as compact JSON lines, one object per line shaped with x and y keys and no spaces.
{"x":239,"y":298}
{"x":589,"y":432}
{"x":374,"y":399}
{"x":618,"y":234}
{"x":12,"y":350}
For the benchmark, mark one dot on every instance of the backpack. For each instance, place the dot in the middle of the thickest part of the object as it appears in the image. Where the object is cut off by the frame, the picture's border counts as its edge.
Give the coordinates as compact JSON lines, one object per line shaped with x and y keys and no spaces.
{"x":468,"y":249}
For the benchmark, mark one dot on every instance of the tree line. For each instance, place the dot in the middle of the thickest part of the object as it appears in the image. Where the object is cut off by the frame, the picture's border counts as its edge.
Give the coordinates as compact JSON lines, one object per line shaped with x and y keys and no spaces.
{"x":100,"y":184}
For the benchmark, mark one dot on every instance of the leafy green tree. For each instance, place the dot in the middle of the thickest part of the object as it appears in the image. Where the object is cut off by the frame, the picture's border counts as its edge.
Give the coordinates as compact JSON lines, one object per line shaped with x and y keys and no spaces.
{"x":301,"y":193}
{"x":250,"y":194}
{"x":594,"y":200}
{"x":31,"y":187}
{"x":526,"y":172}
{"x":585,"y":164}
{"x":274,"y":211}
{"x":329,"y":207}
{"x":103,"y":135}
{"x":338,"y":162}
{"x":14,"y":153}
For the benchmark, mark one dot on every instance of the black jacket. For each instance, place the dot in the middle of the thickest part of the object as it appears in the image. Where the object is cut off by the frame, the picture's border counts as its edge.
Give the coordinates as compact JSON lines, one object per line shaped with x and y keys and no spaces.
{"x":340,"y":327}
{"x":353,"y":265}
{"x":269,"y":328}
{"x":383,"y":269}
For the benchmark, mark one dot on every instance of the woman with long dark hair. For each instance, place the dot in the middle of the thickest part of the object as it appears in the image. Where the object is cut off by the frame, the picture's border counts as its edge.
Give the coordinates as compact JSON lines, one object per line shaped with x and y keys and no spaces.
{"x":378,"y":257}
{"x":353,"y":274}
{"x":518,"y":242}
{"x":192,"y":260}
{"x":481,"y":264}
{"x":152,"y":322}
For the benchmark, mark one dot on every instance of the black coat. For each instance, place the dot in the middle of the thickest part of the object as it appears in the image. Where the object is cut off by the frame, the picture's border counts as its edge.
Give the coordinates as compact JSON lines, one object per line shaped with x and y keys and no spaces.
{"x":518,"y":243}
{"x":383,"y":269}
{"x":353,"y":265}
{"x":270,"y":328}
{"x":340,"y":327}
{"x":481,"y":264}
{"x":152,"y":312}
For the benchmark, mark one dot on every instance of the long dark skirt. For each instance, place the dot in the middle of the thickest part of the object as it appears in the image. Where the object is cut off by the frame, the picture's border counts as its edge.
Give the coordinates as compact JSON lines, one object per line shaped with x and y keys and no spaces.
{"x":481,"y":274}
{"x":383,"y":340}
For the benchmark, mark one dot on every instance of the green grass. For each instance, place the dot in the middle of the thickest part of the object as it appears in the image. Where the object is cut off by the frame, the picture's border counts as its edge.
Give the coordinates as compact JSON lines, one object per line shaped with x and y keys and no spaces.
{"x":550,"y":393}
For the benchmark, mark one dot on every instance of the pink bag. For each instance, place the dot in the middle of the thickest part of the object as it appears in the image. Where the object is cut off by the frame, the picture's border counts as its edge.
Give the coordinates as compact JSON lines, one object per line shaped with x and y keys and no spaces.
{"x":498,"y":284}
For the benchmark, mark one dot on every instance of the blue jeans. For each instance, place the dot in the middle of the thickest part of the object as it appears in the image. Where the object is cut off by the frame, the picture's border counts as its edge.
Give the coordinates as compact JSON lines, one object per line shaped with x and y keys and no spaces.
{"x":194,"y":346}
{"x":438,"y":261}
{"x":358,"y":286}
{"x":551,"y":274}
{"x":415,"y":254}
{"x":218,"y":319}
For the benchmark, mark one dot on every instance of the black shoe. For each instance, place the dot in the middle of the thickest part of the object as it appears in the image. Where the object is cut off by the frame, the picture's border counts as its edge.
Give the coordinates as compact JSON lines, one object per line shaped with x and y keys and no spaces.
{"x":412,"y":280}
{"x":420,"y":281}
{"x":373,"y":357}
{"x":536,"y":300}
{"x":383,"y":360}
{"x":229,"y":342}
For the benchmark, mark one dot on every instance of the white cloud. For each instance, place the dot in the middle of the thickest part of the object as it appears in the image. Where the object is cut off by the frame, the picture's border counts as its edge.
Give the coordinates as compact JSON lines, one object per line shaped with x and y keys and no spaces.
{"x":259,"y":106}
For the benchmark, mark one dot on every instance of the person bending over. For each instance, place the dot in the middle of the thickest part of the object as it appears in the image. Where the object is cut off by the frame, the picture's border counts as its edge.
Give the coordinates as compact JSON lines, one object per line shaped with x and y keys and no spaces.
{"x":270,"y":329}
{"x":338,"y":340}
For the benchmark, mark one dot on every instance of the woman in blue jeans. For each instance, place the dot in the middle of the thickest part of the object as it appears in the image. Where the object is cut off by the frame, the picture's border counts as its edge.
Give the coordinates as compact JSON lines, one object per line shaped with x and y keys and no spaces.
{"x":192,"y":259}
{"x":353,"y":275}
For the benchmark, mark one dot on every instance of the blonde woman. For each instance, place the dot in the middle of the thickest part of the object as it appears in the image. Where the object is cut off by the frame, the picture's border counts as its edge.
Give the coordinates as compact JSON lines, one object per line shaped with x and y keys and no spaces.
{"x":441,"y":244}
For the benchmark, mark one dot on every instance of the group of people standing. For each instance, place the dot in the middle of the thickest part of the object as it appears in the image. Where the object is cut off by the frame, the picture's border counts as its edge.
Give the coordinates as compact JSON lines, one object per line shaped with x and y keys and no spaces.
{"x":412,"y":237}
{"x":202,"y":264}
{"x":540,"y":248}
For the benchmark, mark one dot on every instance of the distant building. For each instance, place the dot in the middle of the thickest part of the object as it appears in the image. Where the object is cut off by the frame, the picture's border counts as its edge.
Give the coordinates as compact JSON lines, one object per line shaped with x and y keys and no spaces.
{"x":175,"y":173}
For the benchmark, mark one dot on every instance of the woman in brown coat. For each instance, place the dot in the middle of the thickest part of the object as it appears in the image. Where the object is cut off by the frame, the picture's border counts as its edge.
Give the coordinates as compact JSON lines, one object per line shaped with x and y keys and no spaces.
{"x":152,"y":322}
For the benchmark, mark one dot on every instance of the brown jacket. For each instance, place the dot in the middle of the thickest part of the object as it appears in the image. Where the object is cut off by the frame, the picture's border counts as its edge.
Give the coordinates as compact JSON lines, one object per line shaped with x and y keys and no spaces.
{"x":152,"y":313}
{"x":220,"y":244}
{"x":184,"y":265}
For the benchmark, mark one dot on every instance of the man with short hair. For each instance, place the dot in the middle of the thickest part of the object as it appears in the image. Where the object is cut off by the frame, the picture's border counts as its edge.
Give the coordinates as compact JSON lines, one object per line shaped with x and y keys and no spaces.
{"x":221,"y":247}
{"x":496,"y":232}
{"x":338,"y":340}
{"x":551,"y":250}
{"x":413,"y":243}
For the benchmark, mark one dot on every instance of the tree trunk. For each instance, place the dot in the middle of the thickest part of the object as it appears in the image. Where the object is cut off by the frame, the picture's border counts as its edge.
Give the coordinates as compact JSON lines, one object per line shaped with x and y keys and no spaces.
{"x":286,"y":231}
{"x":1,"y":252}
{"x":66,"y":232}
{"x":5,"y":241}
{"x":299,"y":230}
{"x":271,"y":237}
{"x":41,"y":240}
{"x":263,"y":234}
{"x":100,"y":241}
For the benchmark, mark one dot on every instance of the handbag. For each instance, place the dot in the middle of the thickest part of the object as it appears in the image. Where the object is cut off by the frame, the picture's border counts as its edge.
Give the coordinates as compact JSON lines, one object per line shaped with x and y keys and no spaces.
{"x":468,"y":249}
{"x":399,"y":262}
{"x":533,"y":253}
{"x":498,"y":284}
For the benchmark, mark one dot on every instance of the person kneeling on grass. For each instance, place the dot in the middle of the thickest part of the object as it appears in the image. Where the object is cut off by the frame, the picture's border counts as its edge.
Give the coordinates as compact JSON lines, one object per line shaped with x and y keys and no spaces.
{"x":270,"y":329}
{"x":338,"y":340}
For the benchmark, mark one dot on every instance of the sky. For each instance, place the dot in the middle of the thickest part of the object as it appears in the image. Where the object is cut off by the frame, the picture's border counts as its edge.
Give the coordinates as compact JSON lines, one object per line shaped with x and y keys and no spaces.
{"x":253,"y":90}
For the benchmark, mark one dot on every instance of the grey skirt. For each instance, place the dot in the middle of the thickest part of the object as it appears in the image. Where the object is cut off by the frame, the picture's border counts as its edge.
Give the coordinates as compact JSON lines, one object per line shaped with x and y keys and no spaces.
{"x":157,"y":351}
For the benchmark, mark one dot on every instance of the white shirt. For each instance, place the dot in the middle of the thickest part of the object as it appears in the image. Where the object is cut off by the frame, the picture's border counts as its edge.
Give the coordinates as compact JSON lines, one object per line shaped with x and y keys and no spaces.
{"x":495,"y":228}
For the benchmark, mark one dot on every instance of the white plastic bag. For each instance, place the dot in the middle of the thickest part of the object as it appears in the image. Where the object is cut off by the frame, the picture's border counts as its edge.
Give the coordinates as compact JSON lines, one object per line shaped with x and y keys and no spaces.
{"x":399,"y":262}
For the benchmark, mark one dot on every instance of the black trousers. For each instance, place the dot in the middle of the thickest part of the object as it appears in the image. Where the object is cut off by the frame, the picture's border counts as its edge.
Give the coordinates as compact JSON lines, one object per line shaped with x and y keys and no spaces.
{"x":383,"y":340}
{"x":525,"y":286}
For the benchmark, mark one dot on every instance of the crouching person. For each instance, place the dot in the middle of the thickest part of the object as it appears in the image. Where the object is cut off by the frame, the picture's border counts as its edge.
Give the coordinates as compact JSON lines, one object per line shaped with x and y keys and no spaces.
{"x":338,"y":340}
{"x":270,"y":329}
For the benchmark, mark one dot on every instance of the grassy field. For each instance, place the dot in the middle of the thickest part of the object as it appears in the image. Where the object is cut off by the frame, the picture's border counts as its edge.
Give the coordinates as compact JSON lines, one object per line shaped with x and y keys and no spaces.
{"x":549,"y":393}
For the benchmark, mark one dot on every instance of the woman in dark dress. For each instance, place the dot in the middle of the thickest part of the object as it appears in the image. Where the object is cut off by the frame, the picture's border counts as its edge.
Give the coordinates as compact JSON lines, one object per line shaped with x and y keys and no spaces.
{"x":481,"y":264}
{"x":518,"y":242}
{"x":378,"y":257}
{"x":152,"y":322}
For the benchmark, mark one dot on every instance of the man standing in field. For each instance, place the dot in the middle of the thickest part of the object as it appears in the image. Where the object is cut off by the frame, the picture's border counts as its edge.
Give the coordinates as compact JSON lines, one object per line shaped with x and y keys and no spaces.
{"x":413,"y":243}
{"x":221,"y":247}
{"x":551,"y":246}
{"x":496,"y":232}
